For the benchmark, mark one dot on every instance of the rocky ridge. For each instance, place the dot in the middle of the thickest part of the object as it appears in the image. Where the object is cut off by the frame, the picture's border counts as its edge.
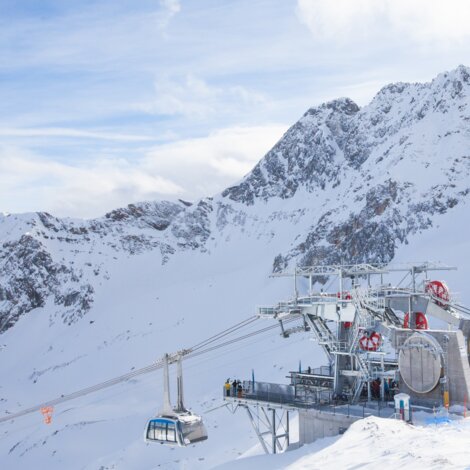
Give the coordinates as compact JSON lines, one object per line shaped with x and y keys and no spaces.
{"x":344,"y":184}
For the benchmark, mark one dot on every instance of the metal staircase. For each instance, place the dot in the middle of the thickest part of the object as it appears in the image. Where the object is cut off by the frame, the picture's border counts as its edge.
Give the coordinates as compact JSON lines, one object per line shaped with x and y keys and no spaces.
{"x":362,"y":321}
{"x":361,"y":379}
{"x":326,"y":339}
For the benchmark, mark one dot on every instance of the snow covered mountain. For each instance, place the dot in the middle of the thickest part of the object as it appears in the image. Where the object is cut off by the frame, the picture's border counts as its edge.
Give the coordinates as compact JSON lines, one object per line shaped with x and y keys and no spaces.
{"x":83,"y":300}
{"x":343,"y":183}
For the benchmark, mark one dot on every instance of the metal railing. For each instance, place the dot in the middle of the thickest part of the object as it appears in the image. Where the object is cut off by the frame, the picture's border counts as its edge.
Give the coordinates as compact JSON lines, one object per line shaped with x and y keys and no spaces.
{"x":326,"y":371}
{"x":323,"y":401}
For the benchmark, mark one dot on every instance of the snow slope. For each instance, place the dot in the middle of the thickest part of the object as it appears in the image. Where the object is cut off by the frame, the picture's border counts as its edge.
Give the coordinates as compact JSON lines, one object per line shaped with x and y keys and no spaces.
{"x":142,"y":311}
{"x":84,"y":301}
{"x":376,"y":442}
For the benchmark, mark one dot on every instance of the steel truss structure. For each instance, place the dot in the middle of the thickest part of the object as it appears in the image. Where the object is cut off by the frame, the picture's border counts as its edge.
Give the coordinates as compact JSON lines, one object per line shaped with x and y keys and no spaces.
{"x":271,"y":425}
{"x":353,"y":325}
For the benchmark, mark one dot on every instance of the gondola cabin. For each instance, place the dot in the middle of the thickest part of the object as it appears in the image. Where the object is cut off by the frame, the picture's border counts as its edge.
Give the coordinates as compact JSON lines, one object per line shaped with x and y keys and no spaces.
{"x":175,"y":426}
{"x":164,"y":431}
{"x":180,"y":430}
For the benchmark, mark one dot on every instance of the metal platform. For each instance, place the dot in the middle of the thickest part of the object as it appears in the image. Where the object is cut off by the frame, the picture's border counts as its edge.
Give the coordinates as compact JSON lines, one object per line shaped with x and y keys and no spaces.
{"x":270,"y":406}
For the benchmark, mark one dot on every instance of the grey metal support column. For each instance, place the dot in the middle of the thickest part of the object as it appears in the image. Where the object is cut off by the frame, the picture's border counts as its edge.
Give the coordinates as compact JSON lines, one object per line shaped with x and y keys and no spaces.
{"x":336,"y":374}
{"x":340,"y":274}
{"x":255,"y":427}
{"x":411,"y":314}
{"x":296,"y":292}
{"x":271,"y":425}
{"x":179,"y":383}
{"x":167,"y":408}
{"x":382,"y":381}
{"x":274,"y":438}
{"x":287,"y":430}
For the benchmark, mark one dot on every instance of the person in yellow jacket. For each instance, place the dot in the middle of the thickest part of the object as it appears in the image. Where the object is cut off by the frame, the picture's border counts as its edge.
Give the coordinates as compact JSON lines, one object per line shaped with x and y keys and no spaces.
{"x":227,"y":387}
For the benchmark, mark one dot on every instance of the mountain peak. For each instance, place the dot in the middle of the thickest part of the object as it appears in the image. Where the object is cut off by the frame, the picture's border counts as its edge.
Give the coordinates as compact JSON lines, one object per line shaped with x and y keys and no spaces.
{"x":461,"y":73}
{"x":452,"y":84}
{"x":341,"y":105}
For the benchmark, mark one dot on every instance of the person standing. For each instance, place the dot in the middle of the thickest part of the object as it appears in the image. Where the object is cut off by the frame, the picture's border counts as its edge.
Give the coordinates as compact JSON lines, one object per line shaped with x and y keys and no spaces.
{"x":234,"y":387}
{"x":227,"y":387}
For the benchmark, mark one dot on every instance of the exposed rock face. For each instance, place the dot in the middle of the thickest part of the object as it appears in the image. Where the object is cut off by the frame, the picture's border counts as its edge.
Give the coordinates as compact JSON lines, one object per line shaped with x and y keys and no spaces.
{"x":385,"y":170}
{"x":35,"y":277}
{"x":307,"y":155}
{"x":157,"y":215}
{"x":343,"y":184}
{"x":370,"y":234}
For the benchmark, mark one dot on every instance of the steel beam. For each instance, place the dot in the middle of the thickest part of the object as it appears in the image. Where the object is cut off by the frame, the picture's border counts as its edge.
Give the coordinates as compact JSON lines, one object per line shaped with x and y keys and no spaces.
{"x":257,"y":431}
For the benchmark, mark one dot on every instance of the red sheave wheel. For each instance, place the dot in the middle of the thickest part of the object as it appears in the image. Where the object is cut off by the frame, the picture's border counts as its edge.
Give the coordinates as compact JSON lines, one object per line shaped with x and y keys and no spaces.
{"x":421,"y":321}
{"x":370,"y":341}
{"x":438,"y":289}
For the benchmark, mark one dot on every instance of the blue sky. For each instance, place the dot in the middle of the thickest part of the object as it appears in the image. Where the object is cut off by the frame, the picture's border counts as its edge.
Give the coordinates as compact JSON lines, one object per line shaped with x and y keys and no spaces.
{"x":110,"y":102}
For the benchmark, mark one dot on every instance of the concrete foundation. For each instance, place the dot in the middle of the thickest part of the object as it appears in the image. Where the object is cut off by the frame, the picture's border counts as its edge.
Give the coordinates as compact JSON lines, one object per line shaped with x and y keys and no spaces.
{"x":314,"y":424}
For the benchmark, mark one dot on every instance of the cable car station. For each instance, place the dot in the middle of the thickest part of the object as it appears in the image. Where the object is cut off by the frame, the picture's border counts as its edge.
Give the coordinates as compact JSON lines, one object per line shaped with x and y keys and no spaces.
{"x":381,"y":343}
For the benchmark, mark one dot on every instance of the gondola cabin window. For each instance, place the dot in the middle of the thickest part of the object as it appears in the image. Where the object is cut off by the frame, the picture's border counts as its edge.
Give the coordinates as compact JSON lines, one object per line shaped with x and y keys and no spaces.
{"x":171,"y":432}
{"x":161,"y":431}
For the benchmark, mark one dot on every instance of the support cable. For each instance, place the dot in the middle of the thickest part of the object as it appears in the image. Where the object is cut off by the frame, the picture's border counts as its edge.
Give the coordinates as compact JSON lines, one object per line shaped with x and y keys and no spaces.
{"x":187,"y":353}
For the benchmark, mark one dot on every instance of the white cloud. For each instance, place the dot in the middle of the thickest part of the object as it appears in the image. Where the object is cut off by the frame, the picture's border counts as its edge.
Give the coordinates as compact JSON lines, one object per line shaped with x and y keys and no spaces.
{"x":336,"y":19}
{"x":29,"y":182}
{"x":427,"y":22}
{"x":169,"y":9}
{"x":207,"y":165}
{"x":187,"y":169}
{"x":193,"y":97}
{"x":68,"y":132}
{"x":436,"y":20}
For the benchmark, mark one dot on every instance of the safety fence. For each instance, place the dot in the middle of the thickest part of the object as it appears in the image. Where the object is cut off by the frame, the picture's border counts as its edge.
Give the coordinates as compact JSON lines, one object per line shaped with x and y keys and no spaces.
{"x":286,"y":395}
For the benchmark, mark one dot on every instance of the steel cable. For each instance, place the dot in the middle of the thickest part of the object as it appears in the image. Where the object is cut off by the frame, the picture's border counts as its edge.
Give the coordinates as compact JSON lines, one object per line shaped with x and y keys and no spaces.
{"x":187,"y":353}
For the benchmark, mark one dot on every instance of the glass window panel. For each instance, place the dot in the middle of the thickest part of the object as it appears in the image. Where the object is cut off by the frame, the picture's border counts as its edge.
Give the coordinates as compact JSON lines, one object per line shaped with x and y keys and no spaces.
{"x":171,"y":432}
{"x":151,"y":431}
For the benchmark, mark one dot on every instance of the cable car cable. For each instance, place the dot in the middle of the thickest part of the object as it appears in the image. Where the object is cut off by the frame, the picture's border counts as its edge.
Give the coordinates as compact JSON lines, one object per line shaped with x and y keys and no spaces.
{"x":226,"y":332}
{"x":187,"y":353}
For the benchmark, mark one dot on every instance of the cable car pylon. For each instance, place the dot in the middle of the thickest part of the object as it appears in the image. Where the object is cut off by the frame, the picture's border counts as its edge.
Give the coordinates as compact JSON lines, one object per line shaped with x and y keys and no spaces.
{"x":175,"y":426}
